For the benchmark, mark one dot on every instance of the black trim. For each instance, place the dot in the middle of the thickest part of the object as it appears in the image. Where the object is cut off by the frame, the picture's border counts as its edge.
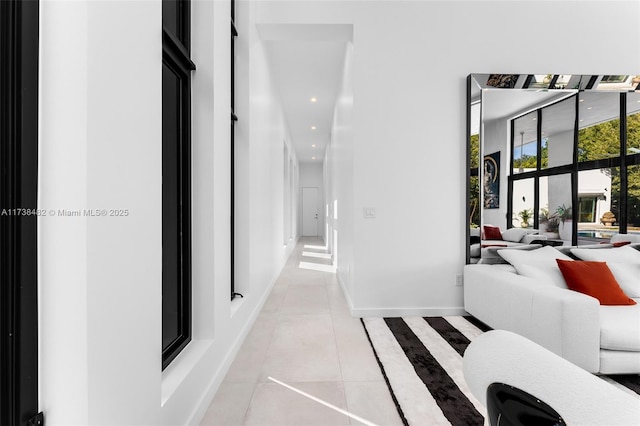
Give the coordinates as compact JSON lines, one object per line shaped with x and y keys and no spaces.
{"x":467,"y":225}
{"x":234,"y":119}
{"x":176,"y":180}
{"x":19,"y":35}
{"x":176,"y":51}
{"x":592,"y":82}
{"x":623,"y":219}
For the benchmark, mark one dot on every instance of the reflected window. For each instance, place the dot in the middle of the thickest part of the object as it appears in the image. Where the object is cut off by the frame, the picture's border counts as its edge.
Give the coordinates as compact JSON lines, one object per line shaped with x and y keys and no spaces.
{"x":525,"y":143}
{"x":633,"y":123}
{"x":540,"y":81}
{"x":587,"y":209}
{"x":599,"y":126}
{"x":633,"y":198}
{"x":522,"y":203}
{"x":558,"y":124}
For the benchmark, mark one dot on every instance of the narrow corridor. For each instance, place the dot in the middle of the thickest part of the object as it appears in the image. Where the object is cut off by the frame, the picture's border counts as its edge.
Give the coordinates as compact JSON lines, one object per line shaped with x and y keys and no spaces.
{"x":305,"y":337}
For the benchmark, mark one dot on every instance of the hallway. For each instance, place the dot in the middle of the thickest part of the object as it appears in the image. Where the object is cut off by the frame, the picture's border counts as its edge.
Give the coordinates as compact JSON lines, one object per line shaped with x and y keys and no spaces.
{"x":305,"y":337}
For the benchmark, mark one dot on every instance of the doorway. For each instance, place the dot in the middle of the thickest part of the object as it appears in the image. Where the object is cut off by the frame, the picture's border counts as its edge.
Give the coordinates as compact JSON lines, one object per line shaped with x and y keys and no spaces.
{"x":309,"y":211}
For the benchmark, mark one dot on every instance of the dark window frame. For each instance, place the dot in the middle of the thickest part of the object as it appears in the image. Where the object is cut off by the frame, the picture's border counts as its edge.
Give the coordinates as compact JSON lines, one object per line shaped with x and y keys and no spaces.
{"x":177,"y":179}
{"x":19,"y":48}
{"x":234,"y":119}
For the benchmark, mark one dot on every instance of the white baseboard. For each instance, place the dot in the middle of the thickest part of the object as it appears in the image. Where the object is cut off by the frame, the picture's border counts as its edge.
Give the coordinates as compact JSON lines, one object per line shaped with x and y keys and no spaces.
{"x":397,"y":312}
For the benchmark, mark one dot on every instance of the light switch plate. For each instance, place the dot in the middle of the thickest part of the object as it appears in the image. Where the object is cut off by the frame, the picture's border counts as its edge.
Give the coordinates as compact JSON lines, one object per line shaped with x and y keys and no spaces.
{"x":369,"y":212}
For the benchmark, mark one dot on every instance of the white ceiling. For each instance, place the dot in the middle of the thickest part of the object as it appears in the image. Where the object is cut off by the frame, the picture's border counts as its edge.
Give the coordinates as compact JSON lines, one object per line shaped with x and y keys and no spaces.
{"x":307,"y":61}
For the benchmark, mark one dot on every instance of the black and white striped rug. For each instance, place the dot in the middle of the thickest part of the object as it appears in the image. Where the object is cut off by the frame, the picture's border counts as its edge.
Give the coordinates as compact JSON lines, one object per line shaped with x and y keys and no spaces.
{"x":421,"y":360}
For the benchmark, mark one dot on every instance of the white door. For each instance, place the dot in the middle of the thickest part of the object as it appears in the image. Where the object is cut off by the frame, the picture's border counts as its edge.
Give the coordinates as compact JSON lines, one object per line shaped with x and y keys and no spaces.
{"x":309,"y":212}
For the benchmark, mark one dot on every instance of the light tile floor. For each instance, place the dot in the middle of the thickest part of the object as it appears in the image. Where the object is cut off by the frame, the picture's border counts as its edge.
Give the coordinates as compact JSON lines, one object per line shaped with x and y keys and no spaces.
{"x":306,"y":338}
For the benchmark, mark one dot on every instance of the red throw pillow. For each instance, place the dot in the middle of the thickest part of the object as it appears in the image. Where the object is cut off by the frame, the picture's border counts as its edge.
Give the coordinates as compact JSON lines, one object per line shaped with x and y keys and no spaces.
{"x":594,"y":279}
{"x":621,"y":243}
{"x":492,"y":233}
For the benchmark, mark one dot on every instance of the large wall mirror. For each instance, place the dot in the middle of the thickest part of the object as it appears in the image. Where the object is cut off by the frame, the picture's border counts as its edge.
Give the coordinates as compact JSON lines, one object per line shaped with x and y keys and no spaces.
{"x":552,"y":160}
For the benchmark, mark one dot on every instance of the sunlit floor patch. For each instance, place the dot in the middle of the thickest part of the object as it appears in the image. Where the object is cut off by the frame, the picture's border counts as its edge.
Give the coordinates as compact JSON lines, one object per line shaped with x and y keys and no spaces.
{"x":325,"y":403}
{"x":319,"y":255}
{"x":317,"y":267}
{"x":310,"y":246}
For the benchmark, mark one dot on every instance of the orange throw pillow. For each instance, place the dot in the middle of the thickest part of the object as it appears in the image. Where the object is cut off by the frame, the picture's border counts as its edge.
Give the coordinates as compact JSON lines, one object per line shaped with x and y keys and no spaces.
{"x":594,"y":279}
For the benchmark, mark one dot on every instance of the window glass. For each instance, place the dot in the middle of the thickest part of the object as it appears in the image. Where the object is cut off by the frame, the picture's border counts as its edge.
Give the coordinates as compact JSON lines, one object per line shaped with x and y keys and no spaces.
{"x":540,"y":81}
{"x":599,"y":126}
{"x":556,"y":198}
{"x":558,"y":128}
{"x":633,"y":123}
{"x":633,"y":199}
{"x":525,"y":143}
{"x":598,"y":210}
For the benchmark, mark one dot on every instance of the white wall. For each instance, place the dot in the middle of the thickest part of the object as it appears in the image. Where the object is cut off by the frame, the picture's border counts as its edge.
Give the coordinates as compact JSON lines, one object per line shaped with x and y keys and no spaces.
{"x":496,"y":139}
{"x":339,"y":190}
{"x":410,"y":65}
{"x":100,"y":148}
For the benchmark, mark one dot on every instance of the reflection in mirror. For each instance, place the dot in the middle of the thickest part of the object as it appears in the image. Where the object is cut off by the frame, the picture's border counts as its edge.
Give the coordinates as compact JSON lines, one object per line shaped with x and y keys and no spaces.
{"x":558,"y":128}
{"x":557,"y":156}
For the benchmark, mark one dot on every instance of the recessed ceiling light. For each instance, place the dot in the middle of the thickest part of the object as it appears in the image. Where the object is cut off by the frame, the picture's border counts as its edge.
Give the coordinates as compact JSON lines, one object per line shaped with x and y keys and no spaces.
{"x":313,"y":127}
{"x":314,"y":99}
{"x":581,"y":100}
{"x":313,"y":146}
{"x":313,"y":158}
{"x":589,"y":107}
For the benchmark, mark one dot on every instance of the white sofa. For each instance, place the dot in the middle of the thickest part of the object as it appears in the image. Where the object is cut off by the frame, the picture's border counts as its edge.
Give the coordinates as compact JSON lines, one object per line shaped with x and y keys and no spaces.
{"x":579,"y":397}
{"x":600,"y":339}
{"x":485,"y":250}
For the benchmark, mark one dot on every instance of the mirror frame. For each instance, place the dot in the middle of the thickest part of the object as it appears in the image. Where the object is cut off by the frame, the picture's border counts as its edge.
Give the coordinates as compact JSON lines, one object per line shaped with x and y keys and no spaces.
{"x":478,"y":83}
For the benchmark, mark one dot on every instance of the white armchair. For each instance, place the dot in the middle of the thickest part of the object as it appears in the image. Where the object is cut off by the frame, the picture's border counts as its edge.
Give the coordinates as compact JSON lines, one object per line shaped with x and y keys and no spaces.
{"x":578,"y":396}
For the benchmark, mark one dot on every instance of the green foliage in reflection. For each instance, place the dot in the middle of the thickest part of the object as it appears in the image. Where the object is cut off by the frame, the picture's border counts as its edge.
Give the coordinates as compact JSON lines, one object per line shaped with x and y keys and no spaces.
{"x":599,"y":141}
{"x":633,"y":131}
{"x":529,"y":161}
{"x":603,"y":141}
{"x":474,"y":183}
{"x":474,"y":200}
{"x":475,"y":151}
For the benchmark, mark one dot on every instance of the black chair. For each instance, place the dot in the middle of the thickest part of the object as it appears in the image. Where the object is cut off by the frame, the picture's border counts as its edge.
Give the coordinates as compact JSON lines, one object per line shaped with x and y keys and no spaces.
{"x":510,"y":406}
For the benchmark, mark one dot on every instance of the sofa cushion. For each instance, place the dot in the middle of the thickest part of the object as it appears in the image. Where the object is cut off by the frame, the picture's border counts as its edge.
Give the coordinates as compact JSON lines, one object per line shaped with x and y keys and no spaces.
{"x":594,"y":279}
{"x":634,"y":238}
{"x":514,"y":234}
{"x":628,"y":276}
{"x":544,"y":274}
{"x":542,"y":256}
{"x":624,"y":254}
{"x":620,"y":327}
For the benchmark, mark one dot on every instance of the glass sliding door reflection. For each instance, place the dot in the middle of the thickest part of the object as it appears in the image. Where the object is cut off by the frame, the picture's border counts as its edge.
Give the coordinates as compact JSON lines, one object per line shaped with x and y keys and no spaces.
{"x":598,"y":205}
{"x":556,"y":207}
{"x":522,"y":203}
{"x":633,"y":199}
